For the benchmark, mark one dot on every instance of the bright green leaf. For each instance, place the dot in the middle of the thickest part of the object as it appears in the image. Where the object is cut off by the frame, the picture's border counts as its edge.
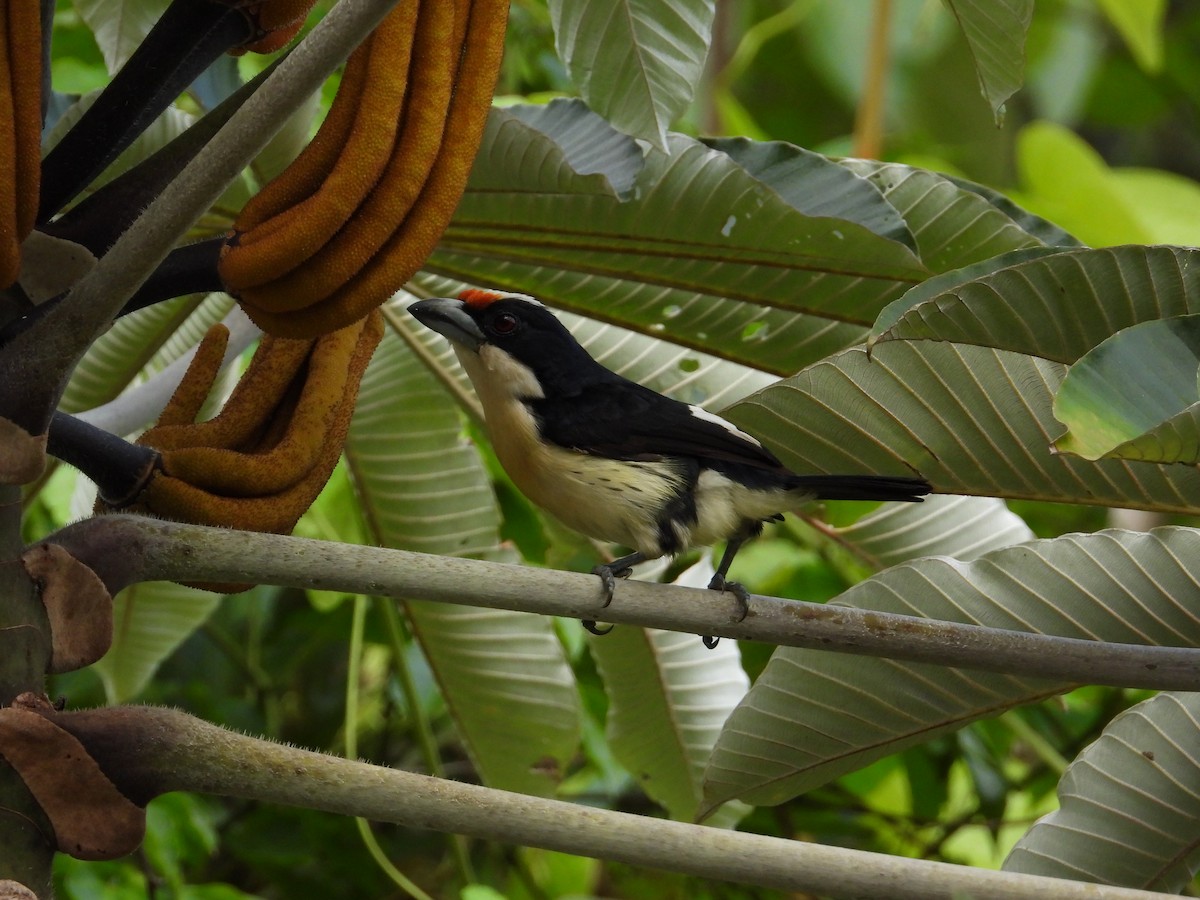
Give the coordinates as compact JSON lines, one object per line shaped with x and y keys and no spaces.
{"x":1063,"y":179}
{"x":1134,"y":396}
{"x":1140,"y":24}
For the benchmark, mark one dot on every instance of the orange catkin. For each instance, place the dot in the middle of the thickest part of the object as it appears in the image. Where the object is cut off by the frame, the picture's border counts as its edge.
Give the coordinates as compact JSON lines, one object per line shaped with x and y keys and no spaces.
{"x":438,"y":47}
{"x":410,"y":240}
{"x":20,"y":130}
{"x":267,"y":253}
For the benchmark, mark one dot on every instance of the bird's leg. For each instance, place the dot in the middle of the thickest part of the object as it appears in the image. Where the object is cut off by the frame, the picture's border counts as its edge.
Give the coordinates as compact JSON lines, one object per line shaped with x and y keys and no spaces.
{"x":609,"y":573}
{"x":719,"y":583}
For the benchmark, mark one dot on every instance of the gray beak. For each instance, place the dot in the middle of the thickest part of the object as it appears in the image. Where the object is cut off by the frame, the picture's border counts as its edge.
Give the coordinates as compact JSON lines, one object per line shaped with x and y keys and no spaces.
{"x":448,"y":317}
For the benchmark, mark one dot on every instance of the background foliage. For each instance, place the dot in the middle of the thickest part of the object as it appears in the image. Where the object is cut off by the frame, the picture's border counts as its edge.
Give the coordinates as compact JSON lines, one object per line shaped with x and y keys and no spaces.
{"x":1101,"y":141}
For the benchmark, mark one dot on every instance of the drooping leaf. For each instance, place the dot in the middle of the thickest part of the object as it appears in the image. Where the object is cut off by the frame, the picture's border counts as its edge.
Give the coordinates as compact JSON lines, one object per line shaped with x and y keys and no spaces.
{"x":503,"y":674}
{"x":813,"y":715}
{"x":995,"y":32}
{"x":1135,"y":396}
{"x":636,"y":62}
{"x":1061,"y":306}
{"x":1137,"y":788}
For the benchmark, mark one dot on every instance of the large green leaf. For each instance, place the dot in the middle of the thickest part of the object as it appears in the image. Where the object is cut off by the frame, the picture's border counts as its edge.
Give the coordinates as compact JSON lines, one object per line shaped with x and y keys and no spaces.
{"x":995,"y":32}
{"x":503,"y":674}
{"x":710,"y":251}
{"x":669,"y":696}
{"x":636,"y":62}
{"x":970,"y":419}
{"x":697,"y":221}
{"x":813,"y":715}
{"x":1061,"y":306}
{"x":1135,"y":395}
{"x":1130,"y":804}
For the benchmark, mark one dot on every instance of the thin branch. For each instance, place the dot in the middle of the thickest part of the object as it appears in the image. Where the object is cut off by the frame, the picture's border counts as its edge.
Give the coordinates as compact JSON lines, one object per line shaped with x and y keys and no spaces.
{"x":868,"y":122}
{"x":126,"y":549}
{"x":146,"y":751}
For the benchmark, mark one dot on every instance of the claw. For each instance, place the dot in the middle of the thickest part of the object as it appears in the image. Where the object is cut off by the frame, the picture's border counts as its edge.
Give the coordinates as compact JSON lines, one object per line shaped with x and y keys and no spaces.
{"x":608,"y":581}
{"x":718,"y":583}
{"x":739,"y":592}
{"x":590,"y":625}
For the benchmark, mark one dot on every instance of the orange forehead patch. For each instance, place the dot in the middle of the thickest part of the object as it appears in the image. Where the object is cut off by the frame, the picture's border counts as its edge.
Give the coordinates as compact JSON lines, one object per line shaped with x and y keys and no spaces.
{"x":479,"y":298}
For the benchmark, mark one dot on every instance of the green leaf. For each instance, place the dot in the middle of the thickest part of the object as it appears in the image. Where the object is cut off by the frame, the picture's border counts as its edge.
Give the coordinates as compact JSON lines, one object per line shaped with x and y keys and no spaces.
{"x":503,"y":674}
{"x":1140,"y":24}
{"x":1135,"y":396}
{"x":1061,"y":306}
{"x":1065,"y":180}
{"x":1164,"y":204}
{"x":953,"y":223}
{"x":668,"y":698}
{"x":995,"y":32}
{"x":970,"y":419}
{"x":943,"y":525}
{"x":119,"y":25}
{"x":1137,"y":788}
{"x":702,"y":251}
{"x":636,"y":62}
{"x":813,"y":715}
{"x":816,"y":185}
{"x":943,"y":285}
{"x":149,"y":621}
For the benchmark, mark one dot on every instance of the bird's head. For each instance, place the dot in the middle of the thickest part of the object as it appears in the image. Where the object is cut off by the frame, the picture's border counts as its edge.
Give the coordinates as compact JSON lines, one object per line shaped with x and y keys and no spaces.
{"x":510,"y":337}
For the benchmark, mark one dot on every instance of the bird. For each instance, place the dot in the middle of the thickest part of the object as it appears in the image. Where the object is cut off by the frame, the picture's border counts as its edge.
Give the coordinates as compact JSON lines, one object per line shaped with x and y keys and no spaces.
{"x":615,"y":460}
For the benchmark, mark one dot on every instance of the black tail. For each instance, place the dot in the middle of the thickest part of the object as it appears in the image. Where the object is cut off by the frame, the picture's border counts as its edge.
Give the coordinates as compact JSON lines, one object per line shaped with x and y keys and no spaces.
{"x":863,"y":487}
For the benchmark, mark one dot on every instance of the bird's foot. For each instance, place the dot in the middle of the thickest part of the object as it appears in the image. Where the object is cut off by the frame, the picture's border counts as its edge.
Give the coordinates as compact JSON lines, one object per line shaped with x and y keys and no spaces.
{"x":608,"y":582}
{"x":718,"y":583}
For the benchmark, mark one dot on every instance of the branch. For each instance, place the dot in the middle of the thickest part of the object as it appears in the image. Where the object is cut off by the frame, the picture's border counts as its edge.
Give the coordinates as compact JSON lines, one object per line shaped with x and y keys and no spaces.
{"x":123,"y":549}
{"x":147,"y":751}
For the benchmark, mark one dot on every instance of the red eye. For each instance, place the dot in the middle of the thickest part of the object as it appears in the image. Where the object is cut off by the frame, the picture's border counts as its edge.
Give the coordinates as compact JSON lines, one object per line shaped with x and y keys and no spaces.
{"x":505,"y":323}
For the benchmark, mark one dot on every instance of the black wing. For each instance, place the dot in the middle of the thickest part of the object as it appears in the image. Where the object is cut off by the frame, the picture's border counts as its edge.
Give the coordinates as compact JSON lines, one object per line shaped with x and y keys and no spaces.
{"x":620,"y":419}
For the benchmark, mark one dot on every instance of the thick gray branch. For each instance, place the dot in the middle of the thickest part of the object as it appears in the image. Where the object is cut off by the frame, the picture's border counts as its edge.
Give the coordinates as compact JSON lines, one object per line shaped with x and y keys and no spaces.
{"x":127,"y":549}
{"x":148,"y":751}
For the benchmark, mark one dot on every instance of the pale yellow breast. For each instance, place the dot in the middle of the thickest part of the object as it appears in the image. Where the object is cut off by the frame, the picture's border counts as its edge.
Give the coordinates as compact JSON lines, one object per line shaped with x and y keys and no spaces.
{"x":605,"y":499}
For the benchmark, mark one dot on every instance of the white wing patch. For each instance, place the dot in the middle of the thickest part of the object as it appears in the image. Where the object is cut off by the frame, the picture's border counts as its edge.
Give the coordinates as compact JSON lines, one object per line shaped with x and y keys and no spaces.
{"x":728,"y":426}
